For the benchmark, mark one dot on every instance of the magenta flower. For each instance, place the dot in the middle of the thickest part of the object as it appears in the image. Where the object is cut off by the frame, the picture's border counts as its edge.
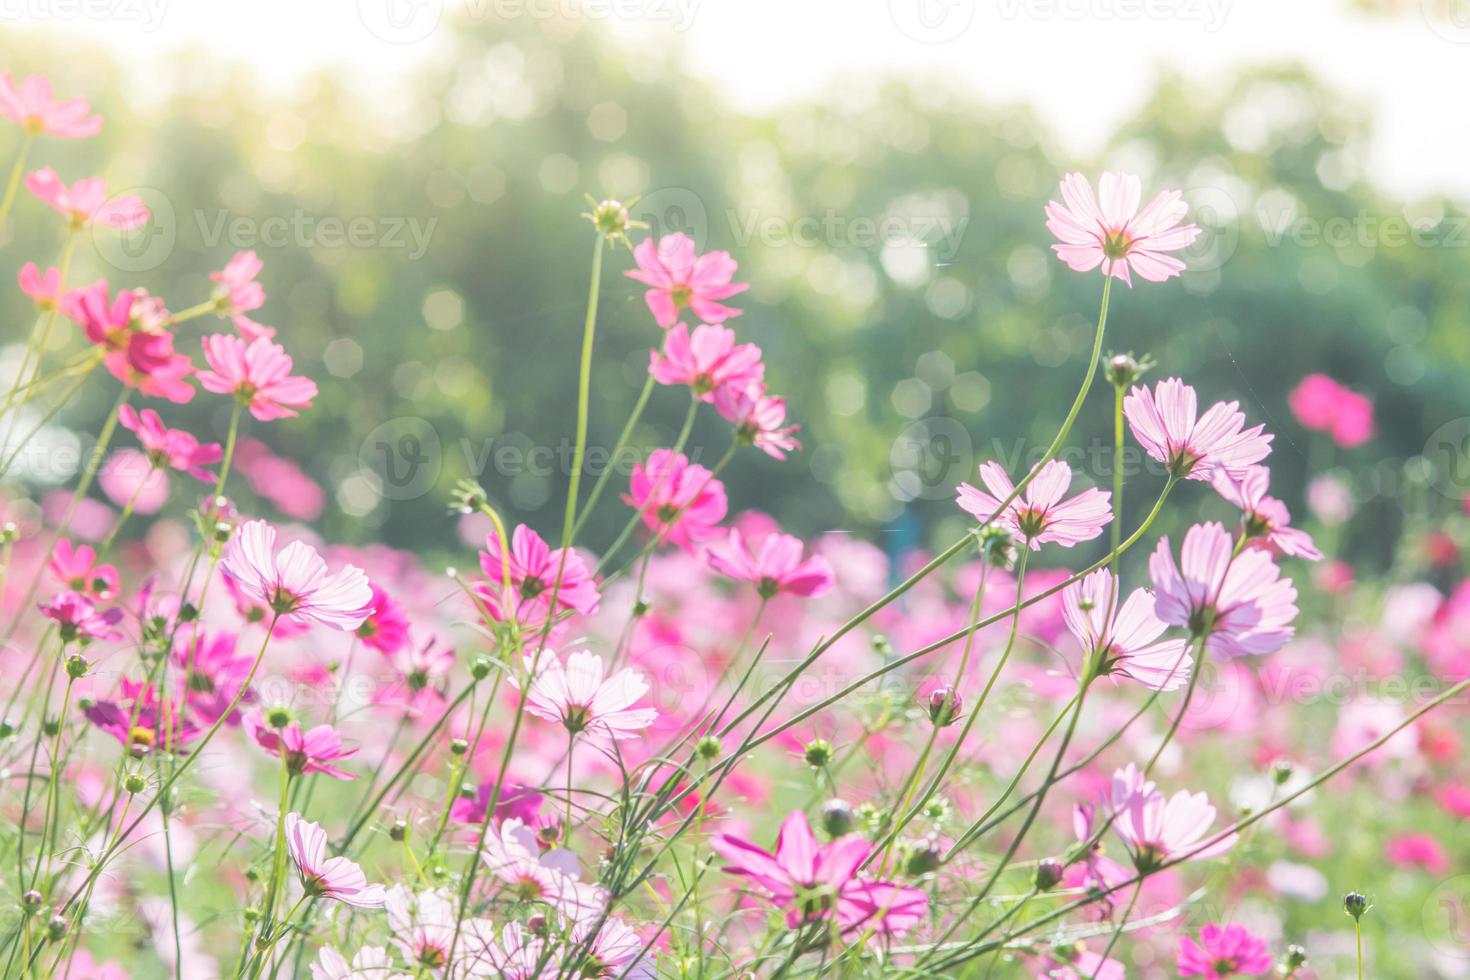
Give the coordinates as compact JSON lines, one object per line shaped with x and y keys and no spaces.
{"x":257,"y":374}
{"x":813,"y":882}
{"x":386,"y":627}
{"x":76,"y":566}
{"x":515,"y":856}
{"x":44,"y":289}
{"x":1418,"y":851}
{"x":759,"y":418}
{"x":777,"y":567}
{"x":533,"y":572}
{"x":295,"y":583}
{"x":33,"y":108}
{"x":1039,"y":514}
{"x":170,"y":448}
{"x":1123,"y":641}
{"x":1223,"y":951}
{"x":305,"y":751}
{"x":137,"y":720}
{"x":1075,"y":963}
{"x":1239,"y":603}
{"x":336,"y":878}
{"x":617,"y":952}
{"x":705,"y":360}
{"x":1110,"y":231}
{"x":1165,"y":424}
{"x":1324,"y":405}
{"x":132,"y":331}
{"x":213,"y":672}
{"x":680,"y":501}
{"x":78,"y":620}
{"x":1157,"y":830}
{"x":681,"y":279}
{"x":85,"y":202}
{"x":1265,"y":521}
{"x":237,"y":293}
{"x":576,"y":694}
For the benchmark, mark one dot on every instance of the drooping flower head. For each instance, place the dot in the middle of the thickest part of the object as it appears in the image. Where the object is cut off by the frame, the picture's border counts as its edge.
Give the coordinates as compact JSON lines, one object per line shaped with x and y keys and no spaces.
{"x":1156,"y":829}
{"x":1223,"y":951}
{"x":1240,"y":603}
{"x":305,"y":751}
{"x":681,"y":279}
{"x":170,"y":448}
{"x":759,"y":418}
{"x":1109,"y":230}
{"x":1039,"y":514}
{"x":577,"y":694}
{"x":78,"y":569}
{"x":679,"y":500}
{"x":34,"y":108}
{"x":1123,"y":642}
{"x":1266,"y":523}
{"x":258,"y":374}
{"x":85,"y":202}
{"x":1166,"y":424}
{"x":237,"y":293}
{"x":705,"y":360}
{"x":776,"y":567}
{"x":338,"y":878}
{"x":295,"y":583}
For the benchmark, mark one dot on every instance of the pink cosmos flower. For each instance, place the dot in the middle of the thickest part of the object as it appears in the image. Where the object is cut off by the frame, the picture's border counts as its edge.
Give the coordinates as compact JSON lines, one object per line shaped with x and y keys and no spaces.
{"x":1075,"y":963}
{"x":368,"y":963}
{"x":705,"y":360}
{"x":295,"y":583}
{"x":44,"y":289}
{"x":678,"y":500}
{"x":1418,"y":851}
{"x":1223,"y":951}
{"x":170,"y":448}
{"x":86,"y":201}
{"x":681,"y":279}
{"x":533,"y":572}
{"x":517,"y":801}
{"x":1240,"y":603}
{"x":386,"y":627}
{"x":305,"y":751}
{"x":578,"y":695}
{"x":257,"y":374}
{"x":213,"y":669}
{"x":423,"y":928}
{"x":137,"y":720}
{"x":617,"y":952}
{"x":422,"y":664}
{"x":1124,"y":642}
{"x":78,"y":620}
{"x":237,"y":293}
{"x":1165,"y":424}
{"x":777,"y":567}
{"x":1157,"y":830}
{"x":514,"y":855}
{"x":1324,"y":405}
{"x":521,"y":955}
{"x":1265,"y":520}
{"x":76,"y":566}
{"x":1039,"y":514}
{"x":812,"y":882}
{"x":33,"y":108}
{"x":336,"y":878}
{"x":1110,"y":231}
{"x":759,"y":418}
{"x":132,"y":331}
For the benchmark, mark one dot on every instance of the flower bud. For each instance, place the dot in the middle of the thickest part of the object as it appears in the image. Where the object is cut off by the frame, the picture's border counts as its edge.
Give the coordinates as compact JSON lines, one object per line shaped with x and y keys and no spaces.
{"x":1048,"y":874}
{"x":31,"y":900}
{"x":134,"y":783}
{"x":467,"y":497}
{"x":468,"y":792}
{"x":56,"y":928}
{"x":6,"y":729}
{"x":399,"y":830}
{"x":818,"y":753}
{"x":1123,"y":370}
{"x":252,"y":914}
{"x":9,"y":532}
{"x":837,"y":817}
{"x":945,"y":705}
{"x":997,"y":544}
{"x":480,"y":669}
{"x":921,"y":856}
{"x":459,"y":746}
{"x":278,"y":717}
{"x":1281,"y":773}
{"x":188,"y":612}
{"x":537,"y":925}
{"x":1355,"y":904}
{"x":708,"y":748}
{"x":1296,"y":958}
{"x":77,"y":666}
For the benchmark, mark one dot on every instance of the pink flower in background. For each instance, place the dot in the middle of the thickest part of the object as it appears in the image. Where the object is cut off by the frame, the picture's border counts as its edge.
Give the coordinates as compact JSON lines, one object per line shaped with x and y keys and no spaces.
{"x":1072,"y":963}
{"x":1157,"y":830}
{"x":295,"y":582}
{"x":77,"y":568}
{"x":1124,"y":642}
{"x":132,"y":330}
{"x":308,"y":751}
{"x":534,"y":566}
{"x":1110,"y":231}
{"x":213,"y":670}
{"x":280,"y":481}
{"x":812,"y":882}
{"x":1240,"y":603}
{"x":78,"y":620}
{"x":577,"y":694}
{"x":759,"y":418}
{"x":35,"y":109}
{"x":1418,"y":851}
{"x":678,"y":500}
{"x":137,"y":719}
{"x":386,"y":627}
{"x":368,"y":963}
{"x":170,"y":448}
{"x":515,"y":856}
{"x":680,"y":279}
{"x":237,"y":293}
{"x":1039,"y":514}
{"x":257,"y":374}
{"x":775,"y":568}
{"x":1223,"y":951}
{"x":1266,"y":519}
{"x":422,"y":665}
{"x":336,"y":878}
{"x":85,"y":202}
{"x":617,"y":951}
{"x":706,"y":360}
{"x":44,"y":289}
{"x":1324,"y":405}
{"x":1166,"y":425}
{"x":517,"y":801}
{"x":130,"y":477}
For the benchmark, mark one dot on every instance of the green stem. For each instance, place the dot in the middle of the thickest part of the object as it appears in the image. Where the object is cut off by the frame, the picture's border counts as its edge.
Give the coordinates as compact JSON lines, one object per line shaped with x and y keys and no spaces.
{"x":617,"y":453}
{"x":1117,"y":530}
{"x":13,"y":184}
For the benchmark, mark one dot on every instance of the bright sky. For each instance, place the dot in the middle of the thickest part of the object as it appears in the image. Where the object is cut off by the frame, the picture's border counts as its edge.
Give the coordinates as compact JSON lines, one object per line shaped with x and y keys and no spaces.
{"x":1083,"y":64}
